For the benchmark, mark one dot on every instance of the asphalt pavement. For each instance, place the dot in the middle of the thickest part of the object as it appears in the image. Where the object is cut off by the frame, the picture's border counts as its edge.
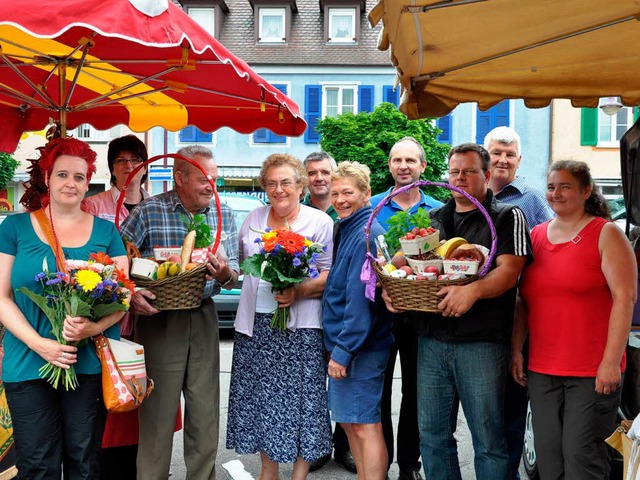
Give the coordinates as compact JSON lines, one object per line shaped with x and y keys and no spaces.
{"x":231,"y":466}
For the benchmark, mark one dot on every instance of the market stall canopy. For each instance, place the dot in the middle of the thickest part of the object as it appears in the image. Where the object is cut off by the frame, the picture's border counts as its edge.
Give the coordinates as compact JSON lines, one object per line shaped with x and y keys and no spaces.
{"x":449,"y":52}
{"x":141,"y":63}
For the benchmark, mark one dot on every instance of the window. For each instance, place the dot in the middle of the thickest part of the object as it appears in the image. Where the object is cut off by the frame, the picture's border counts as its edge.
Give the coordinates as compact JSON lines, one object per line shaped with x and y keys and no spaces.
{"x":612,"y":127}
{"x":342,"y":25}
{"x":444,"y":124}
{"x":338,"y":99}
{"x":342,"y":20}
{"x":331,"y":100}
{"x":599,"y":129}
{"x":87,"y":133}
{"x":193,"y":135}
{"x":205,"y":17}
{"x":391,"y":95}
{"x":264,"y":136}
{"x":271,"y":25}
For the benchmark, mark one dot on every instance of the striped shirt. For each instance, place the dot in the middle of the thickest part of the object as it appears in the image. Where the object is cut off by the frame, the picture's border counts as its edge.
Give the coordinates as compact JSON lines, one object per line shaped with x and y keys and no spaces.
{"x":159,"y":222}
{"x":531,"y":201}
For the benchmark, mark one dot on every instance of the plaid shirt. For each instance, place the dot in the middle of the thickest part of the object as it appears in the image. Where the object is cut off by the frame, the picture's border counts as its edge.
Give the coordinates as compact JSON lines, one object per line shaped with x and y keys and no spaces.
{"x":157,"y":222}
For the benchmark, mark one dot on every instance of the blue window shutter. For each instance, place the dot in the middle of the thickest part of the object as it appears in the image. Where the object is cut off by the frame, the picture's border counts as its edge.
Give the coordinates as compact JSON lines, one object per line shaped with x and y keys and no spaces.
{"x":365,"y":98}
{"x":187,"y":135}
{"x":312,"y":112}
{"x":261,"y":136}
{"x":266,"y":136}
{"x":496,"y":116}
{"x":444,"y":124}
{"x":202,"y":137}
{"x":273,"y":138}
{"x":390,"y":95}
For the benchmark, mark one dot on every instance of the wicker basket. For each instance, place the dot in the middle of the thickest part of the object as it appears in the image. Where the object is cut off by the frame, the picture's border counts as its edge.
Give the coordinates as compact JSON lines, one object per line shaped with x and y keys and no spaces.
{"x":420,"y":295}
{"x":180,"y":292}
{"x":183,"y":291}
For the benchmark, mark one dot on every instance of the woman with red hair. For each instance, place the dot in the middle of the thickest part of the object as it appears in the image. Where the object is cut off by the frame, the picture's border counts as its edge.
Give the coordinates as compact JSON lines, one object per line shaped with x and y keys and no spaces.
{"x":54,"y":429}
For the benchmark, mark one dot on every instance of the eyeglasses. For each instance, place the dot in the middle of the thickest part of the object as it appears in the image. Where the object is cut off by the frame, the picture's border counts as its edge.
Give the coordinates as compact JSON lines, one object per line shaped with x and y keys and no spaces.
{"x":283,"y":184}
{"x":132,"y":161}
{"x":467,"y":172}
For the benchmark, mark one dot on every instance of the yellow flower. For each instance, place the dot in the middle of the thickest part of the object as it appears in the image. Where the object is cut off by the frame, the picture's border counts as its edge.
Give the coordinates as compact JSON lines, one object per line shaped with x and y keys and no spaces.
{"x":307,"y":242}
{"x":268,"y":235}
{"x":88,"y":279}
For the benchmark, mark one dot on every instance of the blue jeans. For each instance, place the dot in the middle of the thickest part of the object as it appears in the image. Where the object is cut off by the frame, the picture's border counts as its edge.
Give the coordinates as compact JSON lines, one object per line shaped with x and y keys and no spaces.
{"x":473,"y":374}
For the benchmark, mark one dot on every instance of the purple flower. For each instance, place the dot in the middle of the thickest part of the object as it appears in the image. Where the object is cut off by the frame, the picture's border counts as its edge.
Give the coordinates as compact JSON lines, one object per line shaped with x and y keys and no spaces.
{"x":313,"y":273}
{"x":41,"y":276}
{"x":296,"y":262}
{"x":54,"y":281}
{"x":277,"y":248}
{"x":268,"y":229}
{"x":257,"y":240}
{"x":314,"y":257}
{"x":262,"y":251}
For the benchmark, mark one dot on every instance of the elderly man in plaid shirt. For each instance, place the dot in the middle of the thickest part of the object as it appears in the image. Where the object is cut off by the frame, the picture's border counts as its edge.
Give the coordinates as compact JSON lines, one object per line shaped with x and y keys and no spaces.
{"x":181,"y":346}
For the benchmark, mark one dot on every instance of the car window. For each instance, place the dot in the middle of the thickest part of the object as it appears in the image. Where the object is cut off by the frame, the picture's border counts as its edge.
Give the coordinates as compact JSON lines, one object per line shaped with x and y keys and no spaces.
{"x":241,"y":205}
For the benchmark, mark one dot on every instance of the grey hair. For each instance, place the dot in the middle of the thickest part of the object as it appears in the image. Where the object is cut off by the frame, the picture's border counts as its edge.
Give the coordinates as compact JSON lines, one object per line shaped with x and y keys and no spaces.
{"x":190,"y":152}
{"x":320,"y":156}
{"x":504,"y":135}
{"x":423,"y":156}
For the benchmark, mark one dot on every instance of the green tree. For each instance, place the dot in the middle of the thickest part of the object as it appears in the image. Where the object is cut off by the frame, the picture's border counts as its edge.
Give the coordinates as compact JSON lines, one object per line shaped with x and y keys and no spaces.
{"x":368,"y":138}
{"x":8,"y":166}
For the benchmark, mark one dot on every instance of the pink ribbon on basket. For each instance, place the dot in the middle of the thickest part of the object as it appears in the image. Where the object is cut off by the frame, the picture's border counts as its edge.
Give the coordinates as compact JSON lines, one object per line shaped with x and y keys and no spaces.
{"x":368,"y":277}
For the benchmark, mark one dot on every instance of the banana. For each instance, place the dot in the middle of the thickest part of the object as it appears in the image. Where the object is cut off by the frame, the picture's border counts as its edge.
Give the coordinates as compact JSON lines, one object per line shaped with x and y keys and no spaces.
{"x":449,"y":246}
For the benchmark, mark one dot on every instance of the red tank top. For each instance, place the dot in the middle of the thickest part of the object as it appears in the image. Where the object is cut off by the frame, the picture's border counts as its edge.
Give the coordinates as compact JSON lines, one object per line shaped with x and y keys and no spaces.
{"x":569,"y":303}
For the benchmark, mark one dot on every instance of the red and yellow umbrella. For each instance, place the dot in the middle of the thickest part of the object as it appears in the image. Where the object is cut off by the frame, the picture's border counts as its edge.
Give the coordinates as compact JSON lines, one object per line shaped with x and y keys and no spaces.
{"x":141,"y":63}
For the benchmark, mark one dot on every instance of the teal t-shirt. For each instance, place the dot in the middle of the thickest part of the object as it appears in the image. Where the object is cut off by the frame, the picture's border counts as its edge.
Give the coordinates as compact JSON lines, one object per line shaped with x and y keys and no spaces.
{"x":19,"y":239}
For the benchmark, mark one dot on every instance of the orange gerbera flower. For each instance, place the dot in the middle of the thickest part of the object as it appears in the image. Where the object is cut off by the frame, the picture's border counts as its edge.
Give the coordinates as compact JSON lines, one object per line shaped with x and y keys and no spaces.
{"x":102,"y":258}
{"x":270,"y":244}
{"x":291,"y":241}
{"x":126,"y":282}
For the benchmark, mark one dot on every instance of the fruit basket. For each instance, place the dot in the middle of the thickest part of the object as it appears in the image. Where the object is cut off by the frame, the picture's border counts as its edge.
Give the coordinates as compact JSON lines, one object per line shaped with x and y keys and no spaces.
{"x":415,"y":294}
{"x":183,"y":291}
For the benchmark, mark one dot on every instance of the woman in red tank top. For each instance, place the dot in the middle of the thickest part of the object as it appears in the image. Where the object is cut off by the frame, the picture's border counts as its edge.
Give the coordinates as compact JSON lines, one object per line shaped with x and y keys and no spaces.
{"x":577,"y":300}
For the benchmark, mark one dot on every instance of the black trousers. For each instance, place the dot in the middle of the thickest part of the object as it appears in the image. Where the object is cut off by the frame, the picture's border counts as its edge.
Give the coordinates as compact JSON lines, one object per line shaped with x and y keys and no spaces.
{"x":57,"y":431}
{"x":406,"y":342}
{"x":570,"y":424}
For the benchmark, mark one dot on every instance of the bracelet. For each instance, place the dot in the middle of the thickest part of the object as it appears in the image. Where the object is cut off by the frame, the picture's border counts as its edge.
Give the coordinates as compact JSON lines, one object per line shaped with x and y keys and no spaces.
{"x":228,"y":281}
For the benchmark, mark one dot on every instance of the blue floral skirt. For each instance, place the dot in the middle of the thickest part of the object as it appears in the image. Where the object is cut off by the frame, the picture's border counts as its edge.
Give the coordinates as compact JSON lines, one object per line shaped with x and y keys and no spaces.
{"x":278,"y":398}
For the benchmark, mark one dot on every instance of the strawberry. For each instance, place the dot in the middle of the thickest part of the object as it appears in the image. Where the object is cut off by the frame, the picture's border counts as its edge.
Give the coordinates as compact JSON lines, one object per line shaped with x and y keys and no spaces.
{"x":424,"y":232}
{"x":410,"y":236}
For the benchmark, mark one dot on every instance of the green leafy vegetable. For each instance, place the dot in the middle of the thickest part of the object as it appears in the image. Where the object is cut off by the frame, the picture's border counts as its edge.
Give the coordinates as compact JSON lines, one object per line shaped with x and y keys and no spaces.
{"x":402,"y":222}
{"x":202,"y":229}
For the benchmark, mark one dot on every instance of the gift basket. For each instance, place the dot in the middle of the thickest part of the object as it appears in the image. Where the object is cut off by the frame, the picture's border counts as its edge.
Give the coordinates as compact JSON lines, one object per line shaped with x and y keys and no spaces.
{"x":431,"y":264}
{"x":176,"y":279}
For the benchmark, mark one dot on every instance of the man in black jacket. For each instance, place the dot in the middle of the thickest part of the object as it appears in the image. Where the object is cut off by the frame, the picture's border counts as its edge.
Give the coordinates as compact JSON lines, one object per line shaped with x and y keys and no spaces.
{"x":463,"y":351}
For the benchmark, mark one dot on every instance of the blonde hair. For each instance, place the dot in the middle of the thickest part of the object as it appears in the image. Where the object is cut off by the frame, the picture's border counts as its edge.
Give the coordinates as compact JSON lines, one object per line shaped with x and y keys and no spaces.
{"x":283,"y":160}
{"x":356,"y":171}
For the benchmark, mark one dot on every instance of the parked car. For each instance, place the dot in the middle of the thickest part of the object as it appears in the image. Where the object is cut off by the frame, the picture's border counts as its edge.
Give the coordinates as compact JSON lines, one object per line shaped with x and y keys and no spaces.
{"x":227,"y":300}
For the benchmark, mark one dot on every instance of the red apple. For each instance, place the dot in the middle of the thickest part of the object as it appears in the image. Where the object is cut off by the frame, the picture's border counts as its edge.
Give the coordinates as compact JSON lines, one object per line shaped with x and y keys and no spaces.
{"x":431,"y":269}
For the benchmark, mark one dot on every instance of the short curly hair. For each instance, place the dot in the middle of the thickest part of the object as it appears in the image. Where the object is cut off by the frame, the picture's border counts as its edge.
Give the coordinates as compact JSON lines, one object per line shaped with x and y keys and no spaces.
{"x":283,"y":160}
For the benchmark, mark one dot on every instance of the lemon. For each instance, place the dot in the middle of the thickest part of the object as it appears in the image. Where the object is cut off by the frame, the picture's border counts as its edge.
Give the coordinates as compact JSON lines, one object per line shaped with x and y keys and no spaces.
{"x":174,"y":269}
{"x":389,"y":268}
{"x":162,"y":270}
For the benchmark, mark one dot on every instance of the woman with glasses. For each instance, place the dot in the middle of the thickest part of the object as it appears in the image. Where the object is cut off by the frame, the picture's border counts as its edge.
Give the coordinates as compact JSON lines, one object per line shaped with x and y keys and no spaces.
{"x":277,"y":398}
{"x":120,"y":440}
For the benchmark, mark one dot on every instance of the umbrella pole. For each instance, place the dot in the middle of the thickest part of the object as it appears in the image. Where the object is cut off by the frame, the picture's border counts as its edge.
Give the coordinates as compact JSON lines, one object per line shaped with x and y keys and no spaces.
{"x":62,"y":79}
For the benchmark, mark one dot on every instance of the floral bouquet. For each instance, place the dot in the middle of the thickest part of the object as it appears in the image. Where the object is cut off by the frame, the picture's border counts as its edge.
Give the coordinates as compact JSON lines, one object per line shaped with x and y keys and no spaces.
{"x":285,"y":259}
{"x":92,"y":289}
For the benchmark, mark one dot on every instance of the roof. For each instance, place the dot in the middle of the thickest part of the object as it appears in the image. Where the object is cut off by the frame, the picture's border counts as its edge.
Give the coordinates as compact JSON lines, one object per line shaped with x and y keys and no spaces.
{"x":306,"y":45}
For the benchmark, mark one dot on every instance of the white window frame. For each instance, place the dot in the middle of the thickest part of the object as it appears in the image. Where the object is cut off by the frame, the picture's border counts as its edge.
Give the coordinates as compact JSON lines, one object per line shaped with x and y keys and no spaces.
{"x":613,"y":142}
{"x":341,"y":87}
{"x":210,"y":27}
{"x":262,"y":11}
{"x":87,"y":133}
{"x":341,"y":11}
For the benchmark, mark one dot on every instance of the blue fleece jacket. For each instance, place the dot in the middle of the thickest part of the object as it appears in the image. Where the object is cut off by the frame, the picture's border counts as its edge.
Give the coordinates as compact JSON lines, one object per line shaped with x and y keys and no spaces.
{"x":350,"y":321}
